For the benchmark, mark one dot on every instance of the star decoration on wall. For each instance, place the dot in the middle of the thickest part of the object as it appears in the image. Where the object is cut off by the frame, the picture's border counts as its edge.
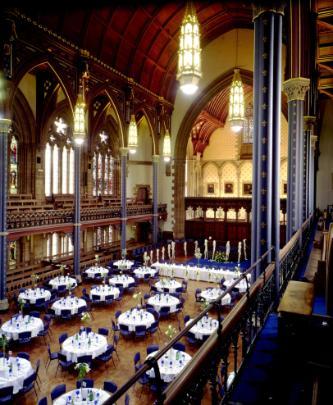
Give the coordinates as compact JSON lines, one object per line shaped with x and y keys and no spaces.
{"x":60,"y":126}
{"x":103,"y":137}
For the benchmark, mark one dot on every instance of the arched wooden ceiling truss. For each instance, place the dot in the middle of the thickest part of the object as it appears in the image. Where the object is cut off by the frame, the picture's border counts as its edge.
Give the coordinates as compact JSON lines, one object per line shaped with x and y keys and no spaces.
{"x":141,"y":40}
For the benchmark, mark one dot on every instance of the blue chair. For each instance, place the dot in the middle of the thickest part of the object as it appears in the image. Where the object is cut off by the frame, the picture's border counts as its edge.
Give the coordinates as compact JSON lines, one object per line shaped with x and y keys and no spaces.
{"x":40,"y":304}
{"x":179,"y":346}
{"x":137,"y":361}
{"x":29,"y":384}
{"x":115,"y":327}
{"x":6,"y":395}
{"x":85,"y":382}
{"x":197,"y":293}
{"x":52,"y":356}
{"x":85,"y":359}
{"x":103,"y":331}
{"x":45,"y":331}
{"x":63,"y":362}
{"x":164,"y":312}
{"x":124,"y":331}
{"x":109,"y":299}
{"x":43,"y":401}
{"x":186,"y":319}
{"x":153,"y":327}
{"x":140,"y":331}
{"x":152,"y":348}
{"x":58,"y":391}
{"x":24,"y":337}
{"x":35,"y":314}
{"x":107,"y":355}
{"x":116,"y":315}
{"x":62,"y":338}
{"x":66,"y":314}
{"x":23,"y":355}
{"x":96,"y":299}
{"x":115,"y":344}
{"x":191,"y":338}
{"x":110,"y":387}
{"x":127,"y":399}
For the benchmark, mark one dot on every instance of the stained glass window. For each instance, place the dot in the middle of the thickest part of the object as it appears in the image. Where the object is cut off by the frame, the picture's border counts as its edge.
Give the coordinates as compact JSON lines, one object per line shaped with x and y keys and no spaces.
{"x":103,"y":167}
{"x":13,"y":166}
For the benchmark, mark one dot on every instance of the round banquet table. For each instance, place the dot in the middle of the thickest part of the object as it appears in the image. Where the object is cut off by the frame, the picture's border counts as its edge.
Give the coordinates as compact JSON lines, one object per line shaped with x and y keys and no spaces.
{"x":13,"y":372}
{"x":241,"y":286}
{"x":63,"y":280}
{"x":170,"y":365}
{"x":210,"y":294}
{"x":142,"y":271}
{"x":19,"y":323}
{"x":93,"y":270}
{"x":123,"y":264}
{"x":84,"y":344}
{"x":171,"y":285}
{"x":32,"y":294}
{"x":72,"y":303}
{"x":205,"y":327}
{"x":135,"y":317}
{"x":164,"y":300}
{"x":81,"y":397}
{"x":103,"y":290}
{"x":121,"y":279}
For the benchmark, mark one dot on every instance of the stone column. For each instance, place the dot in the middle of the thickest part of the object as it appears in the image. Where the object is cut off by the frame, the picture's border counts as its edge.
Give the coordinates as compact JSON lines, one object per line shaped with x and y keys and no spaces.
{"x":309,"y":122}
{"x":266,"y":143}
{"x":123,"y":169}
{"x":295,"y":89}
{"x":156,"y":159}
{"x":4,"y":128}
{"x":77,"y":211}
{"x":312,"y":174}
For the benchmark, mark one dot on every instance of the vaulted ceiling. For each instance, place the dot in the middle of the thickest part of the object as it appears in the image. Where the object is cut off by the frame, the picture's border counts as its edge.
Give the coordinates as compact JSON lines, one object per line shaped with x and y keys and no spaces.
{"x":141,"y":39}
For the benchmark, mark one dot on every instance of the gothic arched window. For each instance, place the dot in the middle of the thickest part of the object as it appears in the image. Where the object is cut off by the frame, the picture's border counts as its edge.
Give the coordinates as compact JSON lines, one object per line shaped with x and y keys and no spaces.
{"x":59,"y":160}
{"x":103,"y":167}
{"x":13,"y":165}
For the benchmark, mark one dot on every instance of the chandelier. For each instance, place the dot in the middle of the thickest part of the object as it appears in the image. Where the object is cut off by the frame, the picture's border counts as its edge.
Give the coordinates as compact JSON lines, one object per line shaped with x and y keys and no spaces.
{"x":132,"y":135}
{"x":236,"y":103}
{"x":79,"y":121}
{"x":189,"y":60}
{"x":167,"y":146}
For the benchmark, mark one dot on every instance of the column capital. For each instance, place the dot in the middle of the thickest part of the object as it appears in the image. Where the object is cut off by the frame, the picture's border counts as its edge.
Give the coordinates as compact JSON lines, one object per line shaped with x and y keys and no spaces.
{"x":259,"y":9}
{"x":309,"y":121}
{"x":314,"y":139}
{"x":296,"y":87}
{"x":123,"y":151}
{"x":5,"y":123}
{"x":155,"y":158}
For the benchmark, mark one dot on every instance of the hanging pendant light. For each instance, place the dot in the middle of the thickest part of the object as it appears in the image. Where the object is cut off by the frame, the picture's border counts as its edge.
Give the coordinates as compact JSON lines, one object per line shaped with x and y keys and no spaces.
{"x":167,"y":146}
{"x":132,"y":135}
{"x":79,"y":132}
{"x":236,"y":103}
{"x":189,"y":54}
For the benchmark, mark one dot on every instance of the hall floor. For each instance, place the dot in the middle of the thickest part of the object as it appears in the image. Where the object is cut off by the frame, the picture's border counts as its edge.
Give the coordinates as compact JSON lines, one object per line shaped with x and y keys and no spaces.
{"x":127,"y":347}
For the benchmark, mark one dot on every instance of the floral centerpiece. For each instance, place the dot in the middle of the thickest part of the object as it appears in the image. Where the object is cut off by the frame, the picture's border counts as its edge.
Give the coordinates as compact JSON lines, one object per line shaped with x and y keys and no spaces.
{"x":220,"y":257}
{"x":21,"y":305}
{"x":34,"y":279}
{"x":62,"y":269}
{"x":204,"y":304}
{"x":3,"y":344}
{"x":171,"y":331}
{"x":96,"y":260}
{"x":83,"y":369}
{"x":86,"y":317}
{"x":146,"y":260}
{"x":137,"y":296}
{"x":197,"y":254}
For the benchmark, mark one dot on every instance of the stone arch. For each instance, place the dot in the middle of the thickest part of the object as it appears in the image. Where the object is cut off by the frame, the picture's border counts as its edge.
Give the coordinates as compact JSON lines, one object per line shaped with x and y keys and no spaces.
{"x":142,"y":112}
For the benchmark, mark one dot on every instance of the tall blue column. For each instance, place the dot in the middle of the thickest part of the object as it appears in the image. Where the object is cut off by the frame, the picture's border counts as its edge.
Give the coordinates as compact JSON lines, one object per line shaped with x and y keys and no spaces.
{"x":4,"y":128}
{"x":77,"y":212}
{"x":266,"y":143}
{"x":123,"y":164}
{"x":156,"y":159}
{"x":312,"y":174}
{"x":309,"y":122}
{"x":295,"y":90}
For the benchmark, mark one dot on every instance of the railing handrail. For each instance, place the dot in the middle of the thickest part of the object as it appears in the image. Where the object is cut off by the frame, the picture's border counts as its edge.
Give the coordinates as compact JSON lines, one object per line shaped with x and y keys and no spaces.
{"x":152,"y":360}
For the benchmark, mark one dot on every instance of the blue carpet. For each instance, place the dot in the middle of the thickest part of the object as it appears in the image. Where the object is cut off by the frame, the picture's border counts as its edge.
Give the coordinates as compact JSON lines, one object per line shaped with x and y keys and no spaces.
{"x":225,"y":265}
{"x":319,"y":305}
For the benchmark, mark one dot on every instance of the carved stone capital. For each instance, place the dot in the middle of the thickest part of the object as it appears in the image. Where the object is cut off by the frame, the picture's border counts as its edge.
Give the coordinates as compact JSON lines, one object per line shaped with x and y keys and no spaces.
{"x":296,"y":88}
{"x":155,"y":158}
{"x":123,"y":151}
{"x":309,"y":122}
{"x":314,"y":139}
{"x":259,"y":9}
{"x":5,"y":124}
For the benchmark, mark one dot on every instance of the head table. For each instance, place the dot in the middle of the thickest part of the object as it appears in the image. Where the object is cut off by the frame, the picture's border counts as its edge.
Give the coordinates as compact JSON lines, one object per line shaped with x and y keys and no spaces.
{"x":71,"y":303}
{"x":32,"y":294}
{"x":170,"y":365}
{"x":135,"y":317}
{"x":93,"y":270}
{"x":84,"y":344}
{"x":13,"y":371}
{"x":19,"y":323}
{"x":84,"y":396}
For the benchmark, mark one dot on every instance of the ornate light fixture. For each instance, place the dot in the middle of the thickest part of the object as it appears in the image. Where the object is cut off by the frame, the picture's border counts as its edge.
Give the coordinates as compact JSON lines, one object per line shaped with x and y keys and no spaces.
{"x":189,"y":58}
{"x":167,"y":146}
{"x":132,"y":135}
{"x":79,"y":132}
{"x":236,"y":103}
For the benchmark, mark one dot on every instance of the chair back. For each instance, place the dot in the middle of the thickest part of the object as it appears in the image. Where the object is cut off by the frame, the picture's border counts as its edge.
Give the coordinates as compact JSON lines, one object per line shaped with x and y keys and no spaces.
{"x":6,"y":392}
{"x":63,"y":337}
{"x":103,"y":331}
{"x":85,"y":383}
{"x":23,"y":355}
{"x":58,"y":391}
{"x":84,"y":359}
{"x":152,"y":348}
{"x":110,"y":386}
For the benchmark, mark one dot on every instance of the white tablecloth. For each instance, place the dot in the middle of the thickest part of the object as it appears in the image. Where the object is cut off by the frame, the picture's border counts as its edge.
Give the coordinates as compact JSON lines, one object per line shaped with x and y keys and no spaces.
{"x":123,"y":264}
{"x":82,"y":344}
{"x":122,"y":279}
{"x":72,"y":303}
{"x":135,"y":317}
{"x":92,"y":271}
{"x":164,"y":300}
{"x":142,"y":271}
{"x":210,"y":294}
{"x":241,"y":285}
{"x":20,"y":370}
{"x":104,"y":290}
{"x":172,"y":285}
{"x":205,"y":327}
{"x":193,"y":272}
{"x":32,"y":294}
{"x":170,"y":365}
{"x":19,"y":324}
{"x":63,"y":280}
{"x":79,"y":397}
